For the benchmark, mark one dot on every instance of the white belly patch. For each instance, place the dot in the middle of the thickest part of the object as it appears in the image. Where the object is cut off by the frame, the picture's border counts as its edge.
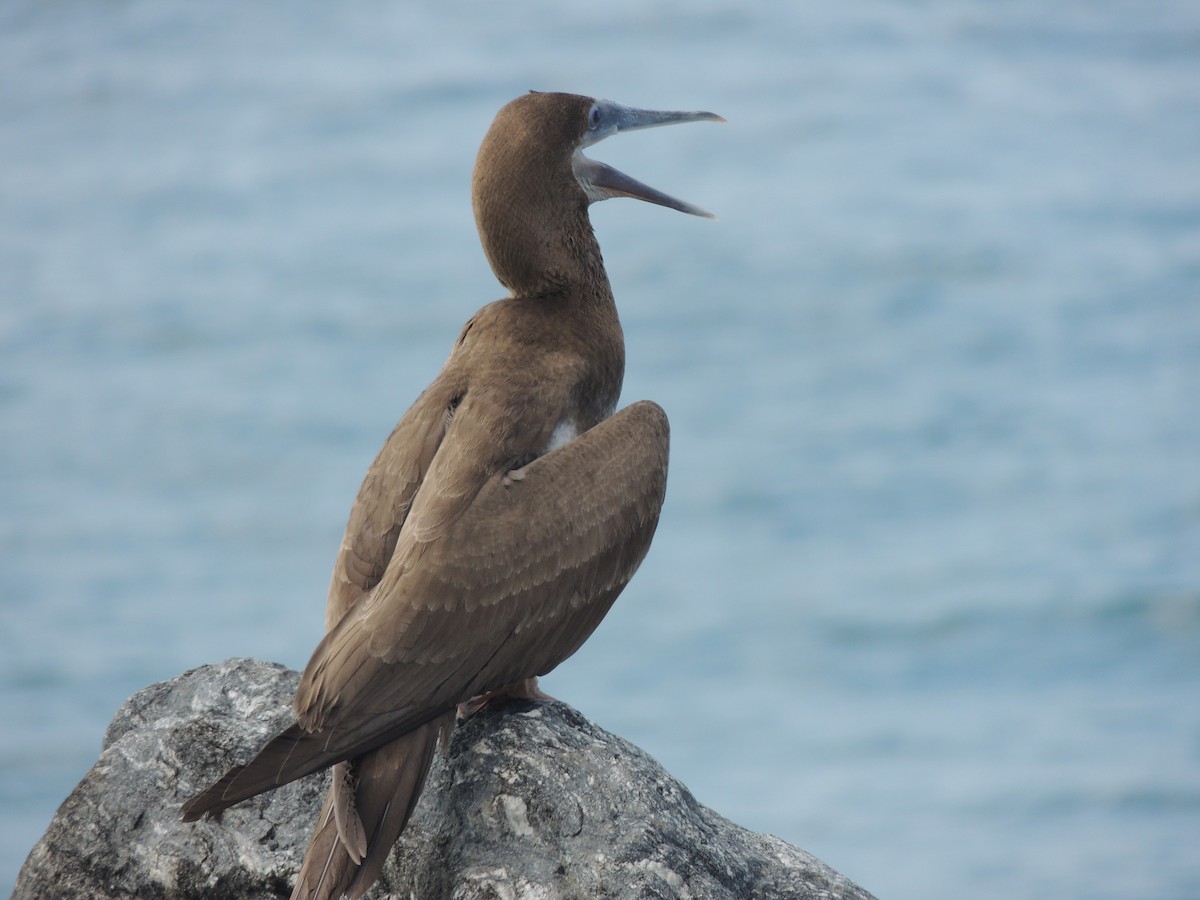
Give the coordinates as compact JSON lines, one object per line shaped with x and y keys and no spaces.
{"x":564,"y":432}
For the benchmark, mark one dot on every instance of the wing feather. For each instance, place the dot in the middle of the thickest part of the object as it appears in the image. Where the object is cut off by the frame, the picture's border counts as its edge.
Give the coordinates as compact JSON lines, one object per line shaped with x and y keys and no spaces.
{"x":512,"y":586}
{"x":385,"y":498}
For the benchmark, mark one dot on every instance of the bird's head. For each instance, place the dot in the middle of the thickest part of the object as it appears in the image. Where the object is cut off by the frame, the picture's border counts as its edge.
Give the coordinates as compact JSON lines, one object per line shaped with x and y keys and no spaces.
{"x":532,"y":182}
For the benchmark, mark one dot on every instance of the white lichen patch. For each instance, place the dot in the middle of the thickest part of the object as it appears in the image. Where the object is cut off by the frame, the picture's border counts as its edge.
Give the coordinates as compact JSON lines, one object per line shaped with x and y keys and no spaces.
{"x":477,"y":881}
{"x":786,"y":861}
{"x":517,"y":814}
{"x":495,"y":877}
{"x":482,"y":748}
{"x":787,"y":855}
{"x":673,"y":879}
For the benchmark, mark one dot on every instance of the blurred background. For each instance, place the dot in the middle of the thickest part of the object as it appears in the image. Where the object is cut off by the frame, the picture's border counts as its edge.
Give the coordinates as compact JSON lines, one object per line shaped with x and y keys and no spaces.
{"x":925,"y":598}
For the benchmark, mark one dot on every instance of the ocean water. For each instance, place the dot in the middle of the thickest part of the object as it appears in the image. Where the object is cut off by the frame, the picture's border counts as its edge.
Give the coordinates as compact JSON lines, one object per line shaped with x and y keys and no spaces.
{"x":925,"y":598}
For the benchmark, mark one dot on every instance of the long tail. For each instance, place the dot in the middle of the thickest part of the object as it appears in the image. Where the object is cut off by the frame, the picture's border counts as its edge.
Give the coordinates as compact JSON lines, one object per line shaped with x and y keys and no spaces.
{"x":289,"y":755}
{"x":369,"y":803}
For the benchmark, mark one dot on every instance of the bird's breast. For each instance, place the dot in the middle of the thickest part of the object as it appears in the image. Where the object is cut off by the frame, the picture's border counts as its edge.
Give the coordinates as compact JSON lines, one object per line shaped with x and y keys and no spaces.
{"x":564,"y":432}
{"x":575,"y":421}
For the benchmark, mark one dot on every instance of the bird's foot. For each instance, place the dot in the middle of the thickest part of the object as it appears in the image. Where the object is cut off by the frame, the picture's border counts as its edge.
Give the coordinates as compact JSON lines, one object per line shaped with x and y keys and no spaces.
{"x":525,"y":689}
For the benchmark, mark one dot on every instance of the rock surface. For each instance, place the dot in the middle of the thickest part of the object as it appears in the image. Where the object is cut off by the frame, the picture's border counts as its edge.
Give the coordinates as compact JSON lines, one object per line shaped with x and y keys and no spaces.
{"x":531,"y":801}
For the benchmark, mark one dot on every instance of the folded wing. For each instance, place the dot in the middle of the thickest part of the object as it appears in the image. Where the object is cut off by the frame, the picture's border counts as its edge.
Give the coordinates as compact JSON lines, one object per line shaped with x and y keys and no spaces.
{"x":510,"y":587}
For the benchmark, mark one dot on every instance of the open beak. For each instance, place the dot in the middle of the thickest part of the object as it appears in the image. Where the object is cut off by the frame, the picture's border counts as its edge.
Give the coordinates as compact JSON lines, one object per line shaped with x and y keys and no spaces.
{"x":600,"y":181}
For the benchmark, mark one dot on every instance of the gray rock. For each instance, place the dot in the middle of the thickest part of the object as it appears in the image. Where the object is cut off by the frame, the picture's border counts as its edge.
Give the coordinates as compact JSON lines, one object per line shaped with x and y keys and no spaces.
{"x":118,"y":834}
{"x":531,"y":801}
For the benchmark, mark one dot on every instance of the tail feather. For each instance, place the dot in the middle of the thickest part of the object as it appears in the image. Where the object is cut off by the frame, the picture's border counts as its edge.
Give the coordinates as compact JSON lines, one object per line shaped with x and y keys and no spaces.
{"x":291,"y":754}
{"x":327,"y":864}
{"x":377,"y":795}
{"x":344,"y":797}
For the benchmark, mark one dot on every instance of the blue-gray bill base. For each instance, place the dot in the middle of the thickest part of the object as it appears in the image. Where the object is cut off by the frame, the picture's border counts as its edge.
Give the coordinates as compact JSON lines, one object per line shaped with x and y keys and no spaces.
{"x":503,"y":516}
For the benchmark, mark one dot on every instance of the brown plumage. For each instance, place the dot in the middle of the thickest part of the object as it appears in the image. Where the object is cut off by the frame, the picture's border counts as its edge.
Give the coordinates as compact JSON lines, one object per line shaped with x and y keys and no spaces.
{"x":501,"y":519}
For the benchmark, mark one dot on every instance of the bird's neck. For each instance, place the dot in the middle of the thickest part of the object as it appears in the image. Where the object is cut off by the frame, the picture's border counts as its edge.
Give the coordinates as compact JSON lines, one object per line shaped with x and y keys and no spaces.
{"x":539,"y":251}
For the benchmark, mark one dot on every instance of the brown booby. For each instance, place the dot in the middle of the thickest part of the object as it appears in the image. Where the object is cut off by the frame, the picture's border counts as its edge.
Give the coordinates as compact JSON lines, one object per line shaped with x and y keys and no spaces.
{"x":502,"y":517}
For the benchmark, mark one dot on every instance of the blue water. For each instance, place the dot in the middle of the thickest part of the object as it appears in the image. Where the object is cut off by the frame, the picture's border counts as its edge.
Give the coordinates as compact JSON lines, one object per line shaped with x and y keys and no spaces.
{"x":925,"y":599}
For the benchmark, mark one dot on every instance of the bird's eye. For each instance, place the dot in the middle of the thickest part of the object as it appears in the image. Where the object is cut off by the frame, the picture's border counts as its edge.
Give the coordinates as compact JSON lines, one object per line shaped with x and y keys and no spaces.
{"x":594,"y":118}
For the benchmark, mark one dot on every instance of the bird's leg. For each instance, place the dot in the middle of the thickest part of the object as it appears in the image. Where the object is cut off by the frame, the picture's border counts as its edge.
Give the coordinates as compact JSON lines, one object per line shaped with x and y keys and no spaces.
{"x":525,"y":689}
